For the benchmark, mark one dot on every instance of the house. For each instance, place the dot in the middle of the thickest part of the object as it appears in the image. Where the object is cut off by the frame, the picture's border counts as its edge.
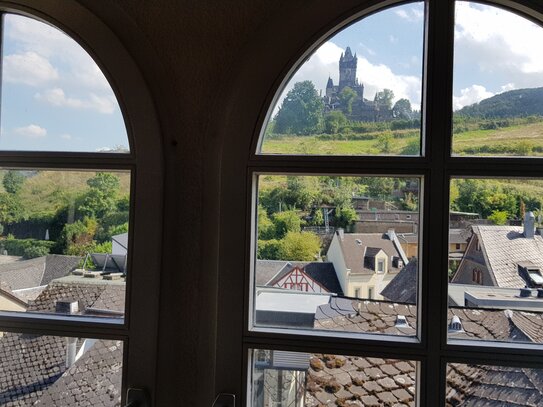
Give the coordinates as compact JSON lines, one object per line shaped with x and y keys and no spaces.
{"x":503,"y":256}
{"x":316,"y":277}
{"x":380,"y":221}
{"x":366,"y":262}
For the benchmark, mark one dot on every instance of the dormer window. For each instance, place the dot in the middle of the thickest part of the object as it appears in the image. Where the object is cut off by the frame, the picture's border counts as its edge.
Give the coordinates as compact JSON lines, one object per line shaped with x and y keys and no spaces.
{"x":380,"y":266}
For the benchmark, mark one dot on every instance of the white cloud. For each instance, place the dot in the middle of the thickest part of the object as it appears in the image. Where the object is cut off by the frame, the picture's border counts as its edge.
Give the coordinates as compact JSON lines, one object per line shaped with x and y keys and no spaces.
{"x":32,"y":131}
{"x":57,"y":97}
{"x":28,"y":68}
{"x":66,"y":136}
{"x":507,"y":87}
{"x":411,"y":15}
{"x":468,"y":96}
{"x":499,"y":44}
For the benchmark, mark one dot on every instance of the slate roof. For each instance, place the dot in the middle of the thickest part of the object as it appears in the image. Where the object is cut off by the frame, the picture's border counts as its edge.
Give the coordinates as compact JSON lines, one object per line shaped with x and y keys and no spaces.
{"x":403,"y":287}
{"x":34,"y":366}
{"x":121,"y":239}
{"x":354,"y":251}
{"x":37,"y":272}
{"x":323,"y":273}
{"x":504,"y":247}
{"x":265,"y":270}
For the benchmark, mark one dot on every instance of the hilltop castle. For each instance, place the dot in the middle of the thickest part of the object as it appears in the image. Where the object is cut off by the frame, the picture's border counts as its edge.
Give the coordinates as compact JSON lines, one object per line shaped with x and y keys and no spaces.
{"x":362,"y":109}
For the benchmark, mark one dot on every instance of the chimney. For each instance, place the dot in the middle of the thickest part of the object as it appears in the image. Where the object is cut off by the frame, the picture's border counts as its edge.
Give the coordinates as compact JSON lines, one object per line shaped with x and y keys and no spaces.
{"x":529,"y":225}
{"x":71,"y":350}
{"x":66,"y":306}
{"x":341,"y":233}
{"x":391,"y":234}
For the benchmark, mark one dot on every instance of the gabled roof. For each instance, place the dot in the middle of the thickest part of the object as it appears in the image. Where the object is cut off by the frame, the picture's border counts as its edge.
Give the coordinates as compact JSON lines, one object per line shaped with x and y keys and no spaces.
{"x":354,"y":247}
{"x":504,"y":247}
{"x":323,"y":273}
{"x":403,"y":287}
{"x":266,"y":270}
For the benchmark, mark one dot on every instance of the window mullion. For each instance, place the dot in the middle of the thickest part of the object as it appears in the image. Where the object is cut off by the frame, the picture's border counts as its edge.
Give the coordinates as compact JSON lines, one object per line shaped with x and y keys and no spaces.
{"x":438,"y":108}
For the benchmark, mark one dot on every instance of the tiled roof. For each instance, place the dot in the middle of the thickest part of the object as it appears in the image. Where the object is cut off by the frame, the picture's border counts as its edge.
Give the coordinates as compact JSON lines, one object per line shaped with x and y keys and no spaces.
{"x":36,"y":272}
{"x":93,"y":380}
{"x":504,"y":247}
{"x":34,"y":367}
{"x":370,"y":316}
{"x":265,"y":270}
{"x":100,"y":295}
{"x":355,"y":245}
{"x":364,"y":381}
{"x":323,"y":273}
{"x":34,"y":372}
{"x":355,"y":382}
{"x":403,"y":287}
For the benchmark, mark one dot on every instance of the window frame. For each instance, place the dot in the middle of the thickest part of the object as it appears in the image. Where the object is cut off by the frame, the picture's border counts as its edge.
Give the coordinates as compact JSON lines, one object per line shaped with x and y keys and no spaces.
{"x":437,"y":167}
{"x":144,"y":162}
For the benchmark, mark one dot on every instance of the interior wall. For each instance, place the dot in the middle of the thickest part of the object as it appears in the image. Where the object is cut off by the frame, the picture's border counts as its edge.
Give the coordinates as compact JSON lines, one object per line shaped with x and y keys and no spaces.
{"x":211,"y":65}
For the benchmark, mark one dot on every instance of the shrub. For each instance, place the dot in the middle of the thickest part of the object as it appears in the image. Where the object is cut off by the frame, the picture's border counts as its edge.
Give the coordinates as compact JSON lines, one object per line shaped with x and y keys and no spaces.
{"x":17,"y":247}
{"x":35,"y":251}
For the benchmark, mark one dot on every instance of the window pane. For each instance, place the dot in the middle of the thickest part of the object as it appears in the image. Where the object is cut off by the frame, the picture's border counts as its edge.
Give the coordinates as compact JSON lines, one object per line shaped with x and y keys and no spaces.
{"x":358,"y":94}
{"x":63,"y":243}
{"x":498,"y":83}
{"x":484,"y":385}
{"x":496,"y":273}
{"x":337,"y":253}
{"x":57,"y":371}
{"x":293,"y":379}
{"x":54,"y":96}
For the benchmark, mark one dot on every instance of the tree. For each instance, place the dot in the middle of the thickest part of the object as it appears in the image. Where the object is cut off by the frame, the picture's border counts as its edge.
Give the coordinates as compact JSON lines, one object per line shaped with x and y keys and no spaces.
{"x":285,"y":222}
{"x":266,"y":228}
{"x":384,"y":142}
{"x":498,"y":217}
{"x":301,"y":111}
{"x":346,"y":99}
{"x":383,"y":101}
{"x":13,"y":181}
{"x":379,"y":187}
{"x":11,"y":208}
{"x":101,"y":198}
{"x":402,"y":109}
{"x":345,"y":216}
{"x":299,"y":246}
{"x":334,"y":121}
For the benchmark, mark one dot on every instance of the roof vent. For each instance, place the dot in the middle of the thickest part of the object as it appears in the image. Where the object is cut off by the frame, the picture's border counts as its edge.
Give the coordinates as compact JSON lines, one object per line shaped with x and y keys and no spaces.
{"x":401,"y":322}
{"x":359,"y":242}
{"x":525,"y":292}
{"x":455,"y":325}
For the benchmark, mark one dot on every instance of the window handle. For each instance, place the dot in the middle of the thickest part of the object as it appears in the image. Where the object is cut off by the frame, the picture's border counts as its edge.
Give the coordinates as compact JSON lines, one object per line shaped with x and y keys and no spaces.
{"x":225,"y":400}
{"x":137,"y":398}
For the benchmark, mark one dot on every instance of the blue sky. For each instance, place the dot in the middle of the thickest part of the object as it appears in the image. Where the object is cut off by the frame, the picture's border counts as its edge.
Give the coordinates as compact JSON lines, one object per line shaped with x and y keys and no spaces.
{"x":54,"y":97}
{"x":389,"y":44}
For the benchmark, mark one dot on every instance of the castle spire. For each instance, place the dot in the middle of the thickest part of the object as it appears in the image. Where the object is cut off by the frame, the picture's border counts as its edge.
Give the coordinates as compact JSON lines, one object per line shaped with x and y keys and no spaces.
{"x":348,"y":53}
{"x":330,"y":83}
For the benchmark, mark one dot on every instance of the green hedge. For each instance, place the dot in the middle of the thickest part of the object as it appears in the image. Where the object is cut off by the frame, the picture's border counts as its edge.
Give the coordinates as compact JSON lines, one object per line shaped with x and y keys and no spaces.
{"x":26,"y":247}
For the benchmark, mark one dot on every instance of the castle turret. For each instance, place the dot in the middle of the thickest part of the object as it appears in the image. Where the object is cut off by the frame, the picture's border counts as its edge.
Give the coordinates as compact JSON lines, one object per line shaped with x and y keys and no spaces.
{"x":347,"y":69}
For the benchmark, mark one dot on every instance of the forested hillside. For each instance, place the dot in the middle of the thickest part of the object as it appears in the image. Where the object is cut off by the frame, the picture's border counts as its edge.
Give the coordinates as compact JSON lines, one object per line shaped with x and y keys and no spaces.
{"x":514,"y":103}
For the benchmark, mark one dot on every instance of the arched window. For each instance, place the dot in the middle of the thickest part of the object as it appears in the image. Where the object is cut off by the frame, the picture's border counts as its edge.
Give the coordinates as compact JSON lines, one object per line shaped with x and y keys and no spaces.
{"x":79,"y":264}
{"x":426,"y":109}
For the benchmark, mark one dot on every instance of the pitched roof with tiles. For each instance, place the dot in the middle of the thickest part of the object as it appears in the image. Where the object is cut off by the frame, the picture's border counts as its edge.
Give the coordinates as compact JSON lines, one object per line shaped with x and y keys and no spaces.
{"x":34,"y":368}
{"x":359,"y":381}
{"x":355,"y":246}
{"x":37,"y":272}
{"x":504,"y":247}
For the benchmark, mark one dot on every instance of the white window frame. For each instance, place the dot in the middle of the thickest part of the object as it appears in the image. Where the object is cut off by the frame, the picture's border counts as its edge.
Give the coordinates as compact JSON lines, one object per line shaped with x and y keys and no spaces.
{"x":140,"y":327}
{"x":289,"y":41}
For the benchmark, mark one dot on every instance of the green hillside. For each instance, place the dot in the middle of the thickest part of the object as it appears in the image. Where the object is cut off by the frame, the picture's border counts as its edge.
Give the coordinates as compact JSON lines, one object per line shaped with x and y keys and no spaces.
{"x":514,"y":103}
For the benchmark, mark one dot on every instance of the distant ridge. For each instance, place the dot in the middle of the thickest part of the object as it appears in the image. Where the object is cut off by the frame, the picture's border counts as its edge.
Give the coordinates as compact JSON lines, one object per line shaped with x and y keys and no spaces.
{"x":514,"y":103}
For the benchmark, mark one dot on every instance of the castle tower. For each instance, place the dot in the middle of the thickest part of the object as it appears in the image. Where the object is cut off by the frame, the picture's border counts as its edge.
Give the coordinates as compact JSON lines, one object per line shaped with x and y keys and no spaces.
{"x":347,"y":70}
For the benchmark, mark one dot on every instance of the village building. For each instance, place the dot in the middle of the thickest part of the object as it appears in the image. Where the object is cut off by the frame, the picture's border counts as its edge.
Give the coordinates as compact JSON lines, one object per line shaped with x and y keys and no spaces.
{"x":503,"y":256}
{"x":366,"y":262}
